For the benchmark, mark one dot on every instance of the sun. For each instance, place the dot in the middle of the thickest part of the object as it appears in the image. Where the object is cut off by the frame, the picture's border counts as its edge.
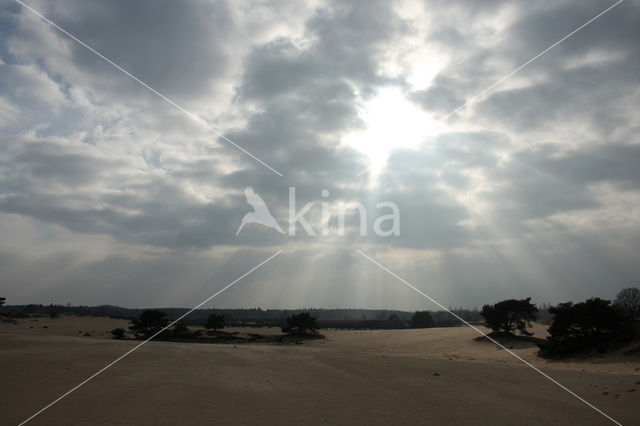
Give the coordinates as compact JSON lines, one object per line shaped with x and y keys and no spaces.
{"x":392,"y":122}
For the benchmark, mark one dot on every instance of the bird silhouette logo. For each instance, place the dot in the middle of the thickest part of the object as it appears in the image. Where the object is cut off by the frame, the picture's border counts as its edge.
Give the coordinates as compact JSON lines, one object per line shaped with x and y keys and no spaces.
{"x":260,"y":213}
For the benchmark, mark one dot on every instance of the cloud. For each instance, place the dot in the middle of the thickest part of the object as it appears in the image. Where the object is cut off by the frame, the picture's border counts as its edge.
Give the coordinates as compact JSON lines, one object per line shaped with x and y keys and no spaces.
{"x":31,"y":82}
{"x":8,"y":112}
{"x":105,"y":187}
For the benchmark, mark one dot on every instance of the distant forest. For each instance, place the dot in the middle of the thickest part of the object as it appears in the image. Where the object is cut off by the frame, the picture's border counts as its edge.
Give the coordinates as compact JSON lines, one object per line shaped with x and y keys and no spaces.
{"x":593,"y":326}
{"x":257,"y":317}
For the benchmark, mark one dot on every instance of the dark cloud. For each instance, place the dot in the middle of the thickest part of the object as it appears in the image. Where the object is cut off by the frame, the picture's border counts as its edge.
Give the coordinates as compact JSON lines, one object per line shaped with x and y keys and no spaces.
{"x":584,"y":77}
{"x":542,"y":182}
{"x":181,"y":51}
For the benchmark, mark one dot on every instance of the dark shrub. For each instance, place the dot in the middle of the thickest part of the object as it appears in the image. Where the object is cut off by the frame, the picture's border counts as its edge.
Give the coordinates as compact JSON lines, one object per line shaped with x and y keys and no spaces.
{"x":591,"y":325}
{"x":180,"y":330}
{"x":150,"y":322}
{"x":628,"y":301}
{"x":118,"y":333}
{"x":214,"y":322}
{"x":300,"y":324}
{"x":510,"y":315}
{"x":421,"y":319}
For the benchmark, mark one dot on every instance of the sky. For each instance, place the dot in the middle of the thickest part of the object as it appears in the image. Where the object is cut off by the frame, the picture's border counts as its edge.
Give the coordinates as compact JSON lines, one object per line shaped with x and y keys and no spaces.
{"x":112,"y":193}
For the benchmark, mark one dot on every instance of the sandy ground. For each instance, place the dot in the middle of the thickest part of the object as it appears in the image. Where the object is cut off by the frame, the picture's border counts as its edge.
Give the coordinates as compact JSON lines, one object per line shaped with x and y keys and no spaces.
{"x":432,"y":376}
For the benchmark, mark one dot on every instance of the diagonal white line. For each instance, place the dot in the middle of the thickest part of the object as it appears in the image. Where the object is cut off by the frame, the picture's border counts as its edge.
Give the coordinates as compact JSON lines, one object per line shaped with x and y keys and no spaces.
{"x":497,"y":83}
{"x":491,"y":339}
{"x":148,"y":339}
{"x":151,"y":89}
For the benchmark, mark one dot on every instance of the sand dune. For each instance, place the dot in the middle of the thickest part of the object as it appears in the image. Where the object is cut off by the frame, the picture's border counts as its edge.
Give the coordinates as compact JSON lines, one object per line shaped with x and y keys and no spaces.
{"x":433,"y":376}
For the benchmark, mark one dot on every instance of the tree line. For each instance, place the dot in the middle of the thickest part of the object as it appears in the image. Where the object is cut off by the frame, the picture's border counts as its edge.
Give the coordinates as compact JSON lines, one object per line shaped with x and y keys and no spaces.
{"x":154,"y":323}
{"x":593,"y":325}
{"x":344,"y":318}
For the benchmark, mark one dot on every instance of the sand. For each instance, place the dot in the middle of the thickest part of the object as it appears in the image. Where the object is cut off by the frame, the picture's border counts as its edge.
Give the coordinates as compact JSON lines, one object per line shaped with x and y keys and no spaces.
{"x":431,"y":376}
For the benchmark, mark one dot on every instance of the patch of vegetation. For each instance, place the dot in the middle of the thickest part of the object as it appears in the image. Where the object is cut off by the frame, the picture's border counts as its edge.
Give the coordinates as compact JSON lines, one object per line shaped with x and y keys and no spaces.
{"x":628,"y":302}
{"x":510,"y":315}
{"x":299,"y":328}
{"x":214,"y":322}
{"x":118,"y":333}
{"x":421,"y":319}
{"x":584,"y":327}
{"x":180,"y":331}
{"x":151,"y":321}
{"x":300,"y":324}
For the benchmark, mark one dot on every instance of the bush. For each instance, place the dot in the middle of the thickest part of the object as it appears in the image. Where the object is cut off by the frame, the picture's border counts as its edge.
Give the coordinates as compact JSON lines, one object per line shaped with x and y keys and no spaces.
{"x":628,"y":301}
{"x":593,"y":324}
{"x":300,"y":324}
{"x":150,"y":322}
{"x":214,"y":322}
{"x":180,"y":330}
{"x":118,"y":333}
{"x":510,"y":315}
{"x":421,"y":319}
